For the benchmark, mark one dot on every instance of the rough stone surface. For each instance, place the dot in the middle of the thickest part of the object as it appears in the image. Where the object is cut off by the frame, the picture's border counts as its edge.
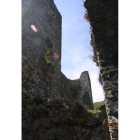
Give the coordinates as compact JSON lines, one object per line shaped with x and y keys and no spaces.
{"x":41,"y":56}
{"x":103,"y":18}
{"x":46,"y":115}
{"x":60,"y":119}
{"x":41,"y":69}
{"x":78,"y":90}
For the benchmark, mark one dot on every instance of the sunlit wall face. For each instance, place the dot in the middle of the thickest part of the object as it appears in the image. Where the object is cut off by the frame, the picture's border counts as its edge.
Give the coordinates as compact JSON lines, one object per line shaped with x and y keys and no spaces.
{"x":75,"y":45}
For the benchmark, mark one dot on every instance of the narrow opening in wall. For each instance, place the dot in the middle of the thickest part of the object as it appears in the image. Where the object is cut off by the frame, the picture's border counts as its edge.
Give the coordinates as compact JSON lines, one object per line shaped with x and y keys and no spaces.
{"x":76,"y":50}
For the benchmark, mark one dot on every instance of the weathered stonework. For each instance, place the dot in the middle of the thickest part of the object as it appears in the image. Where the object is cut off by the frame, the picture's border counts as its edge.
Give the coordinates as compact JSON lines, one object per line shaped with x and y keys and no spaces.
{"x":41,"y":71}
{"x":41,"y":57}
{"x":78,"y":90}
{"x":103,"y":18}
{"x":46,"y":114}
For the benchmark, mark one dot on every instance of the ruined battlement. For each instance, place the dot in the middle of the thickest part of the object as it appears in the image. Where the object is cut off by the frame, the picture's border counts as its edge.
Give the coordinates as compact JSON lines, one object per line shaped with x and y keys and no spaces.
{"x":77,"y":90}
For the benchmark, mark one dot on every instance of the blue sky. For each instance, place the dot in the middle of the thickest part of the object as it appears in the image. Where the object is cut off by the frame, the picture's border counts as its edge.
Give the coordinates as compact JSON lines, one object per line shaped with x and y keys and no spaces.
{"x":75,"y":44}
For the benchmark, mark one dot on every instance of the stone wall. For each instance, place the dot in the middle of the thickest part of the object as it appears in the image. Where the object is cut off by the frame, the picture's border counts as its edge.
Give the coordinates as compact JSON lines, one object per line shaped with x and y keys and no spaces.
{"x":103,"y":18}
{"x":41,"y":49}
{"x":78,"y":90}
{"x":41,"y":57}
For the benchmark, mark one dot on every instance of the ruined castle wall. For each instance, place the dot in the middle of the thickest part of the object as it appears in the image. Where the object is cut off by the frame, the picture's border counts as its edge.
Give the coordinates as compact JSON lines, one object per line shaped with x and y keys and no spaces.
{"x":41,"y":57}
{"x":103,"y":18}
{"x":41,"y":49}
{"x":86,"y":93}
{"x":78,"y":90}
{"x":65,"y":88}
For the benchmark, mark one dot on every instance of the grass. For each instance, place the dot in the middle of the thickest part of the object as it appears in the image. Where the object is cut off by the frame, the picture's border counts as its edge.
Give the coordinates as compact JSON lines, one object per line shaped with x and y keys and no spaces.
{"x":98,"y":104}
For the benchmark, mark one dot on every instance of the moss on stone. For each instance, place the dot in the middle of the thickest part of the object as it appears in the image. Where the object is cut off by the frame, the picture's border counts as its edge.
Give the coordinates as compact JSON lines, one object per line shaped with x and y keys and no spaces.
{"x":49,"y":43}
{"x":51,"y":120}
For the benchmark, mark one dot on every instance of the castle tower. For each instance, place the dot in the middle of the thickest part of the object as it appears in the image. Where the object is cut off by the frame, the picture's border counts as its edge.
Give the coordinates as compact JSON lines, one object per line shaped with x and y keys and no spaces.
{"x":41,"y":49}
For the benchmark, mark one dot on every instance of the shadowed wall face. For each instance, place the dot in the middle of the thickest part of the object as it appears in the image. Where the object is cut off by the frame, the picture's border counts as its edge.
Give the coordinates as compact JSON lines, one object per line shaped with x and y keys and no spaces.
{"x":103,"y":17}
{"x":78,"y":90}
{"x":41,"y":49}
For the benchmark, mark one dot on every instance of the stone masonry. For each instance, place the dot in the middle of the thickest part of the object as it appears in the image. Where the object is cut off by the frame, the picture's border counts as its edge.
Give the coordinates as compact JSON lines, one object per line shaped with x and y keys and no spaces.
{"x":103,"y":18}
{"x":41,"y":57}
{"x":41,"y":49}
{"x":78,"y":90}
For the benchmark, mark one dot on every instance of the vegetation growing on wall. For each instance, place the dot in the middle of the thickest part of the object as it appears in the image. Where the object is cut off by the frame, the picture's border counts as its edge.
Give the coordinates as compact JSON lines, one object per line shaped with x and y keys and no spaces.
{"x":60,"y":120}
{"x":48,"y":54}
{"x":86,"y":16}
{"x":37,"y":71}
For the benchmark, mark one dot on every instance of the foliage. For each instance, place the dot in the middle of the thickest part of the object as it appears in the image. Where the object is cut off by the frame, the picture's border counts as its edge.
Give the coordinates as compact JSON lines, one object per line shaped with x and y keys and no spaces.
{"x":86,"y":16}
